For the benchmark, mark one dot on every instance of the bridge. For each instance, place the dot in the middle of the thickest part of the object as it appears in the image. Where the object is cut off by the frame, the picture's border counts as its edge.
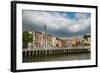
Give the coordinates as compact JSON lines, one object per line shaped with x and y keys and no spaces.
{"x":54,"y":51}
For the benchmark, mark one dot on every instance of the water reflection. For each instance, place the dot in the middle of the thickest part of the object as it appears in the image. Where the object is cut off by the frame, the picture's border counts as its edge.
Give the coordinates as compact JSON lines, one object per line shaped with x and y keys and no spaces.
{"x":79,"y":56}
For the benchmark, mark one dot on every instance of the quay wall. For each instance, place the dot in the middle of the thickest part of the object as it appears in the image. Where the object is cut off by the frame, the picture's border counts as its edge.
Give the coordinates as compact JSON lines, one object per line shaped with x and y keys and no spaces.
{"x":48,"y":52}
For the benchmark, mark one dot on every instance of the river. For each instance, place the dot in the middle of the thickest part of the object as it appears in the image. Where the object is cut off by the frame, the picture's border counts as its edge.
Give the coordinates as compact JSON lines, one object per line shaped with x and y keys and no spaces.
{"x":63,"y":57}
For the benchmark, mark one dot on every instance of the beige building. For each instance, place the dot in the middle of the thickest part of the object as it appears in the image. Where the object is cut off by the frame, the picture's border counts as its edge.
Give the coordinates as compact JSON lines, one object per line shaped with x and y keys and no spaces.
{"x":54,"y":41}
{"x":41,"y":39}
{"x":59,"y":42}
{"x":37,"y":39}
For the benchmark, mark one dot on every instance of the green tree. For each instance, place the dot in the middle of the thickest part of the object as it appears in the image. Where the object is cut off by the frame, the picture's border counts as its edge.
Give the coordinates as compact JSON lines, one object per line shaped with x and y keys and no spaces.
{"x":86,"y":37}
{"x":27,"y":37}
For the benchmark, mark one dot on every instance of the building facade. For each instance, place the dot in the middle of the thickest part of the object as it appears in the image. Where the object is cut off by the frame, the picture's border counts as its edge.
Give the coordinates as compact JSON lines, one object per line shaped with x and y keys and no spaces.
{"x":42,"y":39}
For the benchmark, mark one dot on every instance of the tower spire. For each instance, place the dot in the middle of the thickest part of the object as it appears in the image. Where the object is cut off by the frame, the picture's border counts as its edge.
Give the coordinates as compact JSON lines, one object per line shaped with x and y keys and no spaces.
{"x":45,"y":29}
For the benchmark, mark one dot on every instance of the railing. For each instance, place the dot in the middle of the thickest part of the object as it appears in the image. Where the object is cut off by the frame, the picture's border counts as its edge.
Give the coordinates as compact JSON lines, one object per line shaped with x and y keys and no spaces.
{"x":55,"y":48}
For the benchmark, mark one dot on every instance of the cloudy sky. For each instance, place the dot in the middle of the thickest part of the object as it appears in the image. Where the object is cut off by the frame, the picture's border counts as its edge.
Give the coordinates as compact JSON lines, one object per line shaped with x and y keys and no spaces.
{"x":60,"y":24}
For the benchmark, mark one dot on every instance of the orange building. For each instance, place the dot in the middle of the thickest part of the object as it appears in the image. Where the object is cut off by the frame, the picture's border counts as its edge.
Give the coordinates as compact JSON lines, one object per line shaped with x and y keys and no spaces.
{"x":73,"y":42}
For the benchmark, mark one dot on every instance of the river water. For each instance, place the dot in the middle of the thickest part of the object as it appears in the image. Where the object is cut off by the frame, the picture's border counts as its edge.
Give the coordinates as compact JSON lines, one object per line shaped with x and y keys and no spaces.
{"x":63,"y":57}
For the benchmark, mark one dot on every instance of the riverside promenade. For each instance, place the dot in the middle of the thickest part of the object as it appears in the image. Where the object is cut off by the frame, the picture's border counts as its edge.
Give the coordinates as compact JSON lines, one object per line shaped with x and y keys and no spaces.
{"x":54,"y":51}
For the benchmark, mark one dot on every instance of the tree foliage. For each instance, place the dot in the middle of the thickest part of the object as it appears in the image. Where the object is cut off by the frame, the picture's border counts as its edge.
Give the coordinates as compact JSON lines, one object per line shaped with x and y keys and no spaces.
{"x":86,"y":37}
{"x":27,"y":37}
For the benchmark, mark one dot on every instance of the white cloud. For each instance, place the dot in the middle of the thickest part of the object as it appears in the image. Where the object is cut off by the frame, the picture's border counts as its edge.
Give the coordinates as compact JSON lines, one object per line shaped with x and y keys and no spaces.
{"x":56,"y":21}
